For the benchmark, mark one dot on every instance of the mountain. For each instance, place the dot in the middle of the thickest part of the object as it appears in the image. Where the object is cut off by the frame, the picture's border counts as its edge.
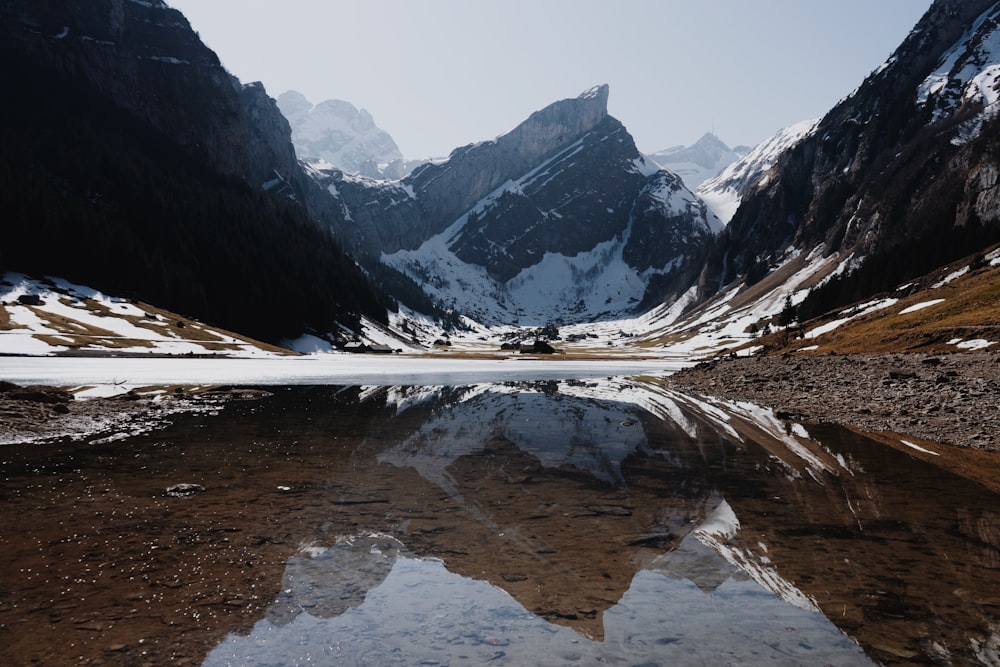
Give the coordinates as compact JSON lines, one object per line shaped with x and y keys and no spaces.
{"x":899,"y":178}
{"x":560,"y":219}
{"x":344,"y":136}
{"x":699,"y":162}
{"x":134,"y":163}
{"x":724,"y":191}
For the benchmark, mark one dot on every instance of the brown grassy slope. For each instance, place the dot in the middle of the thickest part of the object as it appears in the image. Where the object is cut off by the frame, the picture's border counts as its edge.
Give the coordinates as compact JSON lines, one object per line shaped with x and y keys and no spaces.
{"x":81,"y":336}
{"x":970,"y":310}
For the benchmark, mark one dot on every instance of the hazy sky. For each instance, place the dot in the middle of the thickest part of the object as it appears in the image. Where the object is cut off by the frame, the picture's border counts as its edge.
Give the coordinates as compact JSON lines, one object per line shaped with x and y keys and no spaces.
{"x":438,"y":74}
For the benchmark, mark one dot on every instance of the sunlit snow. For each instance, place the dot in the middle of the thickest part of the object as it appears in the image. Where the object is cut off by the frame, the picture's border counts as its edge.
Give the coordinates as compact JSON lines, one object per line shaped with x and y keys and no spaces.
{"x":68,"y":312}
{"x":918,"y":448}
{"x":920,"y":306}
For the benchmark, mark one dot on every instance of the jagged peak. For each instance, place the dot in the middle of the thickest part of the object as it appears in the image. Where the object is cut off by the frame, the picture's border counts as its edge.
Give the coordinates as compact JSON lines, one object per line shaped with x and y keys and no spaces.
{"x":600,"y":92}
{"x":710,"y":138}
{"x":569,"y":117}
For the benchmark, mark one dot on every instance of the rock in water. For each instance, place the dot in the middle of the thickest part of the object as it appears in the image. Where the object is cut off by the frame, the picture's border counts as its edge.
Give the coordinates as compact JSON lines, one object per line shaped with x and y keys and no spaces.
{"x":181,"y":490}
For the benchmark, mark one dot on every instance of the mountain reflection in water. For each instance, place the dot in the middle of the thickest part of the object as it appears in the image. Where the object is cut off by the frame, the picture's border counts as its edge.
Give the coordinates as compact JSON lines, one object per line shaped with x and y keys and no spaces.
{"x":573,"y":522}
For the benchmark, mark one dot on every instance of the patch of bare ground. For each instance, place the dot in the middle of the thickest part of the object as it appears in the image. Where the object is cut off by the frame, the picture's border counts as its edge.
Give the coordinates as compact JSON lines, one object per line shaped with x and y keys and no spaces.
{"x":944,"y":398}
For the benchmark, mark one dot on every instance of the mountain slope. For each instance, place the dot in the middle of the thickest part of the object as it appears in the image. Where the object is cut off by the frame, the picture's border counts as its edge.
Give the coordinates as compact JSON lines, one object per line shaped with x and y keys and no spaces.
{"x":895,"y":181}
{"x":724,"y":191}
{"x":133,"y":162}
{"x":51,"y":316}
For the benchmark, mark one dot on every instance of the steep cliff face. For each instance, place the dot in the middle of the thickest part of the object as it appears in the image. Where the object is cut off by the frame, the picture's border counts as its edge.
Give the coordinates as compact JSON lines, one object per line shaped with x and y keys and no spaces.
{"x":576,"y":199}
{"x":449,"y":189}
{"x":144,"y":57}
{"x":894,"y":170}
{"x":369,"y":217}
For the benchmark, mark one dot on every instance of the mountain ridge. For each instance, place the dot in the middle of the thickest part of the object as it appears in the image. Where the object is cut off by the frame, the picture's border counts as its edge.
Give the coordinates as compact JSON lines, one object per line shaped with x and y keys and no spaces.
{"x":564,"y":198}
{"x":856,"y":187}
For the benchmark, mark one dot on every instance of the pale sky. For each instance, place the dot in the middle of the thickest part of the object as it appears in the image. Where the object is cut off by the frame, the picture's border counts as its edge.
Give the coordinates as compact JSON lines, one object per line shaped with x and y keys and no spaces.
{"x":439,"y":74}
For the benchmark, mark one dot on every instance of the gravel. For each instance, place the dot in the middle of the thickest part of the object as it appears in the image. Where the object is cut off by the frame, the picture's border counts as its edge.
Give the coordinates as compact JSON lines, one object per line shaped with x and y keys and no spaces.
{"x":949,"y":398}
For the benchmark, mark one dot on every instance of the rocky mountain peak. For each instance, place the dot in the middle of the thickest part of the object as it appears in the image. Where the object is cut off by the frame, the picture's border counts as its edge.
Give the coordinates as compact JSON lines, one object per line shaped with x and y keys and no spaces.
{"x":699,"y":162}
{"x":474,"y":171}
{"x":550,"y":128}
{"x":707,"y":151}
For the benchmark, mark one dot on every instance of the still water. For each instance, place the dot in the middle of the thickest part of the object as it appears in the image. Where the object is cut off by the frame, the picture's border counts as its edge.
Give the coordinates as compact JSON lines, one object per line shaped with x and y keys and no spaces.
{"x":582,"y":522}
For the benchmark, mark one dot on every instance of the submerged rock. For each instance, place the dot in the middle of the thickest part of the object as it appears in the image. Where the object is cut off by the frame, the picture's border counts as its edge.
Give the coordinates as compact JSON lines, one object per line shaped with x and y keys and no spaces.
{"x":181,"y":490}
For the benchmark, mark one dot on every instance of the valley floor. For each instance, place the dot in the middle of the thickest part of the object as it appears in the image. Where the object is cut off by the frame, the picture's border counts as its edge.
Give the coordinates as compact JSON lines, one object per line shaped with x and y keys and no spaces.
{"x":947,"y":398}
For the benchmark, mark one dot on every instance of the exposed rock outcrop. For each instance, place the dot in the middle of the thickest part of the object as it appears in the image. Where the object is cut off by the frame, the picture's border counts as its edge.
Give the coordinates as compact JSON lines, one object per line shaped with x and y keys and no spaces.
{"x":474,"y":171}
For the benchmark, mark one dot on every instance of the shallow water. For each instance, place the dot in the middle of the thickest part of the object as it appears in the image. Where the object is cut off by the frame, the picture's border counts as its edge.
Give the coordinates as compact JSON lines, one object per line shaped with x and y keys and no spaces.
{"x":573,"y":522}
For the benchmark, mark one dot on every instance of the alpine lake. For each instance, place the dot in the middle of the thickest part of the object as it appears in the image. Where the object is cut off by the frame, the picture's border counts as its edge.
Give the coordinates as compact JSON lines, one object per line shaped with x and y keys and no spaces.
{"x":601,"y":521}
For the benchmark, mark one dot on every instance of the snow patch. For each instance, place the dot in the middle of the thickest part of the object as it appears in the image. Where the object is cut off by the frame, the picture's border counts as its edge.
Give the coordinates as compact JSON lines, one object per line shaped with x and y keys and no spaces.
{"x":918,"y":448}
{"x":968,"y":74}
{"x":67,"y":312}
{"x":974,"y":344}
{"x":950,"y":277}
{"x":920,"y":306}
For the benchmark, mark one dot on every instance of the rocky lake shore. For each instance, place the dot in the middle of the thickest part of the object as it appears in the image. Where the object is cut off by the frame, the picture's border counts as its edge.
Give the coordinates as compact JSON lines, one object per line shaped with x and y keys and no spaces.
{"x":946,"y":398}
{"x":41,"y":413}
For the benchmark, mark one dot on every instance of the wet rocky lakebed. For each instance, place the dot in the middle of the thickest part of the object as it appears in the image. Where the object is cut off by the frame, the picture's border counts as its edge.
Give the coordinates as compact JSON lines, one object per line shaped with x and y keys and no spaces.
{"x":608,"y":521}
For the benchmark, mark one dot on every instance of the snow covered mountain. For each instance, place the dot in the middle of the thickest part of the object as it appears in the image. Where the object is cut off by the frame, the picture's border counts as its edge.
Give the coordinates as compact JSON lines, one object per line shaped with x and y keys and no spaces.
{"x":343,"y":135}
{"x":561,"y":219}
{"x":724,"y":191}
{"x":699,"y":162}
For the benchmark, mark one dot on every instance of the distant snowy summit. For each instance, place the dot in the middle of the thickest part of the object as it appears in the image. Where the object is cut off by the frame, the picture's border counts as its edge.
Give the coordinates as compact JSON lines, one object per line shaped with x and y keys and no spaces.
{"x":342,"y":135}
{"x":724,"y":191}
{"x":697,"y":163}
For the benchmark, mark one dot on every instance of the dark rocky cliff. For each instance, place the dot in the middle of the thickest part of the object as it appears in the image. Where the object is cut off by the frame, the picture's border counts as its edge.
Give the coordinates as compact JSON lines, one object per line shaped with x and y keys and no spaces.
{"x":474,"y":171}
{"x":883,"y":176}
{"x":144,"y":58}
{"x":134,"y":163}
